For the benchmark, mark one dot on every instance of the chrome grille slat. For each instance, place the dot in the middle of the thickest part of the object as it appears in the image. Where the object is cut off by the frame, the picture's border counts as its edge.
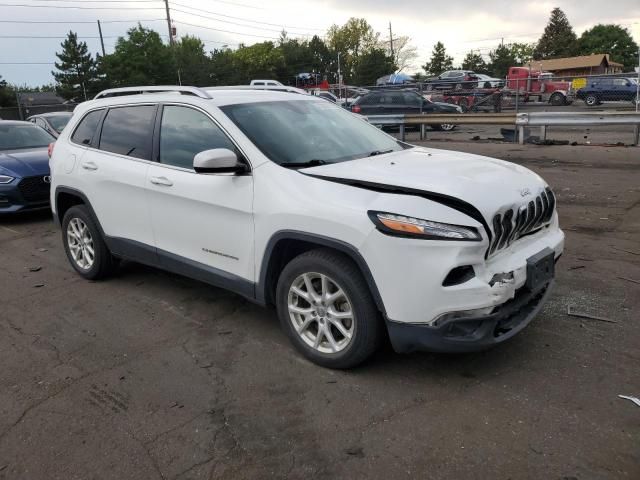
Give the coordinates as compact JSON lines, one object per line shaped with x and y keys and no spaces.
{"x":515,"y":223}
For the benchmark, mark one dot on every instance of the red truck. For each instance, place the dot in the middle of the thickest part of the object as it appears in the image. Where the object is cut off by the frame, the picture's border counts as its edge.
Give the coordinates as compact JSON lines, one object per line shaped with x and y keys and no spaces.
{"x":536,"y":85}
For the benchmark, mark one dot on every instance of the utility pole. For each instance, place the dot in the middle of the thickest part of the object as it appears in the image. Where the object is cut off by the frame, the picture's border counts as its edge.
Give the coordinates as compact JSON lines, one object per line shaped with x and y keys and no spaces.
{"x":101,"y":39}
{"x":339,"y":78}
{"x":166,"y":4}
{"x":391,"y":42}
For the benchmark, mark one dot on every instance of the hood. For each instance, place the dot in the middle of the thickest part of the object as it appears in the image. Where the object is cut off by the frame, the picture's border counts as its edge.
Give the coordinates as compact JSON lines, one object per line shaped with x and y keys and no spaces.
{"x":464,"y":181}
{"x":443,"y":106}
{"x":25,"y":163}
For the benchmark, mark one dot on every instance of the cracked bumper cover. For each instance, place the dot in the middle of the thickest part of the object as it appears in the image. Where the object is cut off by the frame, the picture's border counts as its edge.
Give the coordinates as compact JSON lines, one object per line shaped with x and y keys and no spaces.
{"x":471,"y":334}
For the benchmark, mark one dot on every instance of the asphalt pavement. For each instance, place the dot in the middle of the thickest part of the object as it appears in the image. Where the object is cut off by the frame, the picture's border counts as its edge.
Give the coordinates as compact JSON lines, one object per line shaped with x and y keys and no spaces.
{"x":149,"y":375}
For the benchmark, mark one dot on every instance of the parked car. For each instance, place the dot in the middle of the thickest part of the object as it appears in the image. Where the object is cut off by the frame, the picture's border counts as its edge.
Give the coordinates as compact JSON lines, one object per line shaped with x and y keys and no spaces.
{"x":387,"y":102}
{"x":266,"y":83}
{"x":600,"y":90}
{"x":52,"y":122}
{"x":326,"y":95}
{"x":24,"y":166}
{"x":485,"y":81}
{"x":453,"y":80}
{"x":292,"y":201}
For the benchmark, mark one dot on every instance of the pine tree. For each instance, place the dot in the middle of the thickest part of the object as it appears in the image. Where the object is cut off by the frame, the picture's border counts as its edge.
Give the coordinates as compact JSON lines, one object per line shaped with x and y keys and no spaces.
{"x":76,"y":69}
{"x":558,"y":39}
{"x":440,"y":61}
{"x":474,"y":61}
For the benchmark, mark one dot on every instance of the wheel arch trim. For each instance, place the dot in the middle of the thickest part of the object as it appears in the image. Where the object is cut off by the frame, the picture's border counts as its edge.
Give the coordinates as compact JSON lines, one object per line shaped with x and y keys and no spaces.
{"x":263,"y":285}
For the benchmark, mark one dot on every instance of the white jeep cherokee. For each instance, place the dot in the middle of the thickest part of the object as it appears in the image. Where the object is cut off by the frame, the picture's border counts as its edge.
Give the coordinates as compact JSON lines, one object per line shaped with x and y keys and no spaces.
{"x":289,"y":200}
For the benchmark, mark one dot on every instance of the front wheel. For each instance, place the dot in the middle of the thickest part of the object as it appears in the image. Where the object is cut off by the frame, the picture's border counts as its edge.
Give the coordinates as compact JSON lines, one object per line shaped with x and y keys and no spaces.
{"x":445,"y":127}
{"x":85,"y":248}
{"x":326,"y":309}
{"x":557,"y":100}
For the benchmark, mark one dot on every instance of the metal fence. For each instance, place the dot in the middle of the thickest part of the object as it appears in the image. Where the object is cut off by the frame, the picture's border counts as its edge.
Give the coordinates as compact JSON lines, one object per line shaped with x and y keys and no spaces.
{"x":626,"y":125}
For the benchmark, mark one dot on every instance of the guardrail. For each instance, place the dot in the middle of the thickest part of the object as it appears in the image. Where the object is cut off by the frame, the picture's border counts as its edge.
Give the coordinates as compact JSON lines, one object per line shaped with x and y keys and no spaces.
{"x":520,"y":120}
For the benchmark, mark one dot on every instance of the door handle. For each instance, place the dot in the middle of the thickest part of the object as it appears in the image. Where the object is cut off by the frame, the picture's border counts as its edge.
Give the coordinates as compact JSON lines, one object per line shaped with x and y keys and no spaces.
{"x":89,"y":165}
{"x":161,"y":181}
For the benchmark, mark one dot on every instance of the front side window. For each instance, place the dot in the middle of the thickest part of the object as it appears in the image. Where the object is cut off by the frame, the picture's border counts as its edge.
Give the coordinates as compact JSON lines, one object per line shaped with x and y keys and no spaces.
{"x":87,"y":128}
{"x":26,"y":135}
{"x":128,"y":131}
{"x":185,"y":132}
{"x":303,"y":131}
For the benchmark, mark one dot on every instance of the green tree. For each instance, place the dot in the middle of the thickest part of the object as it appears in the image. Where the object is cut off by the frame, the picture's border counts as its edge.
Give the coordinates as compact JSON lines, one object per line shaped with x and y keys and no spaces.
{"x":260,"y":60}
{"x":611,"y":39}
{"x":192,"y":61}
{"x":140,"y":59}
{"x":76,"y":69}
{"x":522,"y":52}
{"x":372,"y":65}
{"x":7,"y":94}
{"x":439,"y":61}
{"x":474,"y":61}
{"x":558,"y":39}
{"x":501,"y":59}
{"x":354,"y":38}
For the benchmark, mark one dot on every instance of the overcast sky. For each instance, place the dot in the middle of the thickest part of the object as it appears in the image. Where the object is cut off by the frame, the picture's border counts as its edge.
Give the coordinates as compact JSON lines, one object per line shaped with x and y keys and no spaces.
{"x":462,"y":25}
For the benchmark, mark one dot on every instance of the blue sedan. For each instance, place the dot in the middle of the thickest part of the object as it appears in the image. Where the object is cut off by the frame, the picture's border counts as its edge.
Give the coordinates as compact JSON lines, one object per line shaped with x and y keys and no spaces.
{"x":24,"y":167}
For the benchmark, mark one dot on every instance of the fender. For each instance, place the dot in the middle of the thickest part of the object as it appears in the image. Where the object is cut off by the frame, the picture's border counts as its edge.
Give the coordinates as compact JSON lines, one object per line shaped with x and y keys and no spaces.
{"x":344,"y":247}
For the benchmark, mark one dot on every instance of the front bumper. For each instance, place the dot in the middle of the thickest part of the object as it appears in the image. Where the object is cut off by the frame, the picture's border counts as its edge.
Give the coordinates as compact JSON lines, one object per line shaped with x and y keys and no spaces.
{"x":470,"y":334}
{"x":13,"y":200}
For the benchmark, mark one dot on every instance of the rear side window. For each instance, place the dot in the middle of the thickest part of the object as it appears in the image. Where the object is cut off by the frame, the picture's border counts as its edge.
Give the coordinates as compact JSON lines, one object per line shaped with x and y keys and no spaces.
{"x":128,"y":131}
{"x":87,"y":128}
{"x":185,"y":132}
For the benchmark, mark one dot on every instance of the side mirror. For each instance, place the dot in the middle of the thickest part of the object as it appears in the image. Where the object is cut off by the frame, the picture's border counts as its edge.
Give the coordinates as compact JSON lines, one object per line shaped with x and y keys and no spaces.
{"x":218,"y":160}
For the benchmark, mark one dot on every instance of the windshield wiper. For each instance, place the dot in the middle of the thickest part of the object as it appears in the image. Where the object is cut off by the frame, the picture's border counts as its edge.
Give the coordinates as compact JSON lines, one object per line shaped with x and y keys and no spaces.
{"x":310,"y":163}
{"x":379,"y":152}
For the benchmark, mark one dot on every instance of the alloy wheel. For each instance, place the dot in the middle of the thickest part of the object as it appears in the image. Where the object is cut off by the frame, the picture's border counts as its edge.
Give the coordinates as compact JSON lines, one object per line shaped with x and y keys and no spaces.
{"x":321,"y":312}
{"x":80,"y":243}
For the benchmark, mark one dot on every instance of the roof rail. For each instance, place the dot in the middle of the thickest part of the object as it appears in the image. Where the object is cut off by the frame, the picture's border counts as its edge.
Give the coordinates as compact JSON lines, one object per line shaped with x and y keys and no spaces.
{"x":274,"y":88}
{"x":116,"y":92}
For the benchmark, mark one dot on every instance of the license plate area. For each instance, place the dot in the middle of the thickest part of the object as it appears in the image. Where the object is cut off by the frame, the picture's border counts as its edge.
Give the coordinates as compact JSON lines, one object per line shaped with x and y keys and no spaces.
{"x":540,"y":269}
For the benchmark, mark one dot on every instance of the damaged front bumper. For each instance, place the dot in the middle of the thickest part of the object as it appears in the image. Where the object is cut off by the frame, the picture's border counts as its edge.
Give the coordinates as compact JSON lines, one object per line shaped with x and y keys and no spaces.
{"x":471,"y":333}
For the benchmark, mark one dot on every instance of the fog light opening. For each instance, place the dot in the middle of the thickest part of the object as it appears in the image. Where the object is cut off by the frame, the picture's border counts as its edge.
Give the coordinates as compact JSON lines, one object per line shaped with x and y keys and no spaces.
{"x":458,"y":276}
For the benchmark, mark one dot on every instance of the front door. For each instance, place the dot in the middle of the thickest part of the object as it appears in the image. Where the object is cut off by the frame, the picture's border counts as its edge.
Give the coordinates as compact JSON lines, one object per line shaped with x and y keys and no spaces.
{"x":202,"y":222}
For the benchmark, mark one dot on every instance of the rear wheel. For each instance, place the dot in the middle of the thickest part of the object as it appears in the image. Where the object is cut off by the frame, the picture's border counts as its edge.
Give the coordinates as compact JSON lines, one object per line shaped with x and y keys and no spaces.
{"x":326,"y":309}
{"x":591,"y":100}
{"x":445,"y":127}
{"x":85,"y":248}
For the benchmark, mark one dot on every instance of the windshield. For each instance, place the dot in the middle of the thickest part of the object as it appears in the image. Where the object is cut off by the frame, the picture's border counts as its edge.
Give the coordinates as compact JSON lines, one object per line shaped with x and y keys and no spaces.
{"x":58,"y":122}
{"x":14,"y":137}
{"x":299,"y":131}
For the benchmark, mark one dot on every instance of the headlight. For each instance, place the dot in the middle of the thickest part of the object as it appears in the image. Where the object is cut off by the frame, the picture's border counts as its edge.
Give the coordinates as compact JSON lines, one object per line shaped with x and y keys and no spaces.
{"x":402,"y":226}
{"x":458,"y":109}
{"x":6,"y":179}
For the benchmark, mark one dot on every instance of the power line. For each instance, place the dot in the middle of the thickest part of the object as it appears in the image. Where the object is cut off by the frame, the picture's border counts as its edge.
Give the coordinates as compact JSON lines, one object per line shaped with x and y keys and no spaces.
{"x":245,"y":19}
{"x":84,"y":21}
{"x":53,"y":37}
{"x":77,"y":8}
{"x":224,"y":31}
{"x":228,"y":21}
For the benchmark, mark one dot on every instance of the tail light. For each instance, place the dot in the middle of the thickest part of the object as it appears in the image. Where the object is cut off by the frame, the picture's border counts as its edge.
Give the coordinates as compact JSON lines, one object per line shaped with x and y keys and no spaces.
{"x":50,"y":149}
{"x":356,"y":108}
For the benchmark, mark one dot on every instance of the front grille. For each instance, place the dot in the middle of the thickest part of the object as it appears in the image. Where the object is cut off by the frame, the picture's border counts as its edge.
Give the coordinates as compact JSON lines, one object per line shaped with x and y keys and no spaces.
{"x":516,"y":223}
{"x":34,"y":189}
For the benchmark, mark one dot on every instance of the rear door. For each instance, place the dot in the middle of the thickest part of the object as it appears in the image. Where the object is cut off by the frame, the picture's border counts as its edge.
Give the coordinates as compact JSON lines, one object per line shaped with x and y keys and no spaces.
{"x":370,"y":104}
{"x":113,"y":175}
{"x":201,"y":222}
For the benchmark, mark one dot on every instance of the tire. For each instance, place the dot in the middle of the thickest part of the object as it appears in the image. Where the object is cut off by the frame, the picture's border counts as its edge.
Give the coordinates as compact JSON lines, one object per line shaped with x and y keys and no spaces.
{"x":445,"y":127}
{"x":363,"y":325}
{"x":458,"y":86}
{"x":80,"y":234}
{"x":557,"y":100}
{"x":591,"y":100}
{"x":487,"y":85}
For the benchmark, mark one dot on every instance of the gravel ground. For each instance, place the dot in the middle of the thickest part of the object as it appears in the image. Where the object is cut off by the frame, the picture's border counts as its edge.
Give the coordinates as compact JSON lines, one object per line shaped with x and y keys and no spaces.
{"x":152,"y":376}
